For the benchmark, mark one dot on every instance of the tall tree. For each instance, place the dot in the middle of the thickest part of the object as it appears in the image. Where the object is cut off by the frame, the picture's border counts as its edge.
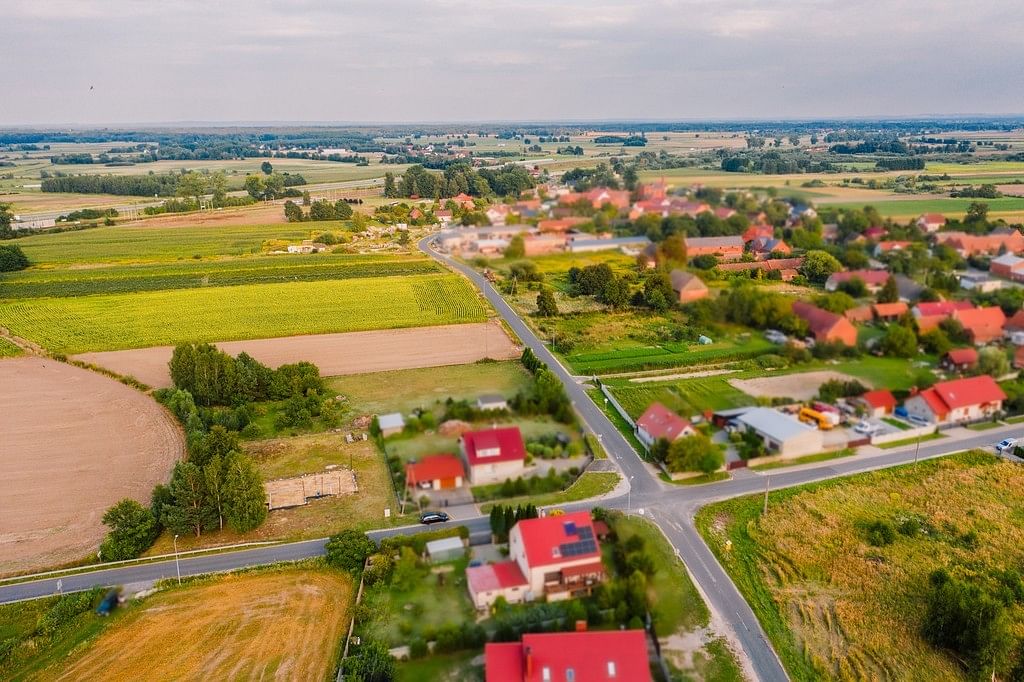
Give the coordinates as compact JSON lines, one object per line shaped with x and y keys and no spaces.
{"x":190,"y":511}
{"x":390,"y":190}
{"x":6,"y":232}
{"x":546,"y":305}
{"x":214,"y":475}
{"x":218,"y":185}
{"x":889,"y":293}
{"x":244,"y":493}
{"x":133,"y":529}
{"x":267,"y":168}
{"x":255,"y":186}
{"x":192,"y":185}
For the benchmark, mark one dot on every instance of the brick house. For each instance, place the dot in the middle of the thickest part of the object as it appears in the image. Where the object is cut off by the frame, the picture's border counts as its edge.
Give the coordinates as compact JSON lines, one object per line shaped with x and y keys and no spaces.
{"x":688,"y":286}
{"x":874,"y":280}
{"x":825,"y":326}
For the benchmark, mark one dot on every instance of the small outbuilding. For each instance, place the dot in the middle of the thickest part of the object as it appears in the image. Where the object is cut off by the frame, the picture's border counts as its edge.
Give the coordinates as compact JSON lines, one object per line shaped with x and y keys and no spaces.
{"x":445,"y":549}
{"x":390,"y":424}
{"x":491,"y":402}
{"x":783,"y":434}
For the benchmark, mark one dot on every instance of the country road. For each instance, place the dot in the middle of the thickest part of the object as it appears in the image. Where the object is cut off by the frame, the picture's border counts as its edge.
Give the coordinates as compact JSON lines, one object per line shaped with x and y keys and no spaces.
{"x":671,"y":507}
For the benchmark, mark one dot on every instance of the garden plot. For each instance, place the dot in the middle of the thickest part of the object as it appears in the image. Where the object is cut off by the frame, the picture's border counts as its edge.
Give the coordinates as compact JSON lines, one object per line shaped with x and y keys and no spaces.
{"x":796,"y":386}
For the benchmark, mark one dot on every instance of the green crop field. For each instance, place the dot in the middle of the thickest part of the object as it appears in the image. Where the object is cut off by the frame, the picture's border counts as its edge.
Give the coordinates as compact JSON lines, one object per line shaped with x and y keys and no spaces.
{"x":979,"y":167}
{"x":667,"y":355}
{"x":911,"y":207}
{"x":153,"y":318}
{"x":34,"y":283}
{"x":141,"y":244}
{"x":8,"y":349}
{"x":686,"y":396}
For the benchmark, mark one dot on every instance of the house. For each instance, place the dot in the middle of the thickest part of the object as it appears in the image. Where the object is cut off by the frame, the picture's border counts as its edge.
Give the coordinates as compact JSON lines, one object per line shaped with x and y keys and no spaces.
{"x":931,"y":222}
{"x":307,"y":246}
{"x":601,"y":656}
{"x":435,"y":472}
{"x":760,"y":231}
{"x":861,"y":313}
{"x":561,"y":224}
{"x":491,"y":402}
{"x":597,"y":197}
{"x":877,"y":403}
{"x":984,"y":325}
{"x":658,"y":421}
{"x":493,"y":455}
{"x":874,"y":280}
{"x":415,"y":214}
{"x":1015,"y":324}
{"x":884,"y":247}
{"x":825,"y":326}
{"x":445,"y":549}
{"x":960,"y":400}
{"x":782,"y":434}
{"x":497,"y":214}
{"x":889,"y":312}
{"x":874,"y":233}
{"x":960,"y":359}
{"x":998,"y":241}
{"x":443,"y":215}
{"x":944,"y":308}
{"x":652,"y":191}
{"x":724,"y":212}
{"x":688,"y":286}
{"x":765,"y":246}
{"x":1018,"y":358}
{"x":464,"y":201}
{"x":553,"y":557}
{"x":981,"y":281}
{"x":725,"y":248}
{"x":390,"y":424}
{"x":787,"y":267}
{"x":1008,"y":266}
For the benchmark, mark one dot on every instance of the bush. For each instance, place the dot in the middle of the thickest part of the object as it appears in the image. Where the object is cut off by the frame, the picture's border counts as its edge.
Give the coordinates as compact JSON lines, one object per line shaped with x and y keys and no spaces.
{"x":12,"y":258}
{"x":133,"y":530}
{"x":880,"y":533}
{"x":348,"y":550}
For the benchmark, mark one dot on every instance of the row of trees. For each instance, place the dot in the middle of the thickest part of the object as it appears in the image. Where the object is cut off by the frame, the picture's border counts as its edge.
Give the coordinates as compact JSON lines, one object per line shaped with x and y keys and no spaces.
{"x":459,"y":178}
{"x":124,"y":185}
{"x":320,"y":209}
{"x":273,"y":186}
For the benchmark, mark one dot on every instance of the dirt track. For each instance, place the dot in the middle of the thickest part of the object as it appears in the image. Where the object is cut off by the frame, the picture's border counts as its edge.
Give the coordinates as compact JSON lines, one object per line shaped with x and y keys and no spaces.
{"x":74,"y":443}
{"x":268,"y":626}
{"x":335,"y":354}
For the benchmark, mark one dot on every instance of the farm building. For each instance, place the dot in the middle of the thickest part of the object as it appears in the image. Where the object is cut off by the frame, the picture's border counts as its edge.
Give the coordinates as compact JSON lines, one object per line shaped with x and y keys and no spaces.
{"x":726,"y":248}
{"x":1008,"y":266}
{"x":889,"y":312}
{"x":26,"y":223}
{"x":658,"y":422}
{"x":491,"y":402}
{"x":1005,"y":240}
{"x":980,"y":282}
{"x":877,"y":403}
{"x":435,"y":472}
{"x":493,"y":455}
{"x":624,"y":244}
{"x":782,"y":434}
{"x":960,"y":400}
{"x":554,"y":557}
{"x":446,"y":549}
{"x":581,"y":656}
{"x":688,"y":286}
{"x":307,"y":246}
{"x":825,"y":326}
{"x":788,"y":268}
{"x":390,"y":424}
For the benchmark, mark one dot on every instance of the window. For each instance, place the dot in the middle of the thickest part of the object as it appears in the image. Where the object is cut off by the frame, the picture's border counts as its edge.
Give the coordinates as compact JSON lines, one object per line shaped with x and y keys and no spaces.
{"x":570,"y":675}
{"x":545,"y":674}
{"x":611,"y":668}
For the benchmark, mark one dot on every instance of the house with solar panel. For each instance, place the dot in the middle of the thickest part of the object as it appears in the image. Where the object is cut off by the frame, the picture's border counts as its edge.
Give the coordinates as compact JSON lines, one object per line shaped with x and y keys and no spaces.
{"x":553,"y":558}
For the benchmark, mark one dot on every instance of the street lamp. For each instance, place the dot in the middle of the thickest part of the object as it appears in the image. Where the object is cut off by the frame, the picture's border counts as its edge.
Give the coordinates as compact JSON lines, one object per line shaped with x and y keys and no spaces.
{"x":629,"y":494}
{"x":177,"y":566}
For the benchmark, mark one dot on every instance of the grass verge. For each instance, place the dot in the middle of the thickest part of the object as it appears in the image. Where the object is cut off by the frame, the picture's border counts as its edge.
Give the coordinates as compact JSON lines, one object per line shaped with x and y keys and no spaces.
{"x":589,"y":484}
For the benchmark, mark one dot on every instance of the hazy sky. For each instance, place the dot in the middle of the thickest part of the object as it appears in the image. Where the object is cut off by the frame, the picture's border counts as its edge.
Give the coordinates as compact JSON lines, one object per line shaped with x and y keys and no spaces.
{"x":455,"y":60}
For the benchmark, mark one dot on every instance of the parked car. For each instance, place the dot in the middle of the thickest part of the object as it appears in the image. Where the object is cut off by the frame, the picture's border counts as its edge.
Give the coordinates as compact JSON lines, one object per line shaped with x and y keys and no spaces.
{"x":775,"y":336}
{"x":866,"y":428}
{"x":1006,"y":445}
{"x":429,"y":517}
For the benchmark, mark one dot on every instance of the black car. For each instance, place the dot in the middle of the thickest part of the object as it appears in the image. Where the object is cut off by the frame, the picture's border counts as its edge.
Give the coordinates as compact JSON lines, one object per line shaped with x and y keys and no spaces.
{"x":429,"y":517}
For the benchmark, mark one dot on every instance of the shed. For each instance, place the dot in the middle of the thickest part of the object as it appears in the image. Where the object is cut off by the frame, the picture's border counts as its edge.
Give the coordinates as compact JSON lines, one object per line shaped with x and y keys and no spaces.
{"x":782,"y":433}
{"x":491,"y":402}
{"x":390,"y":424}
{"x":445,"y":549}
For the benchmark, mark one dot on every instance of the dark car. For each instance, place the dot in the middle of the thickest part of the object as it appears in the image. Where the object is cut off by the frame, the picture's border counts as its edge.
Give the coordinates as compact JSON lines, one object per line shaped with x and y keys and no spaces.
{"x":429,"y":517}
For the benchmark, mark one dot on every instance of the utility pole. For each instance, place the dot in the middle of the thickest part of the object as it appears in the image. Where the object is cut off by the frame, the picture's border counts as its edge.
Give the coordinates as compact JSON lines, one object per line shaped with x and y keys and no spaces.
{"x":917,"y":449}
{"x":767,"y":482}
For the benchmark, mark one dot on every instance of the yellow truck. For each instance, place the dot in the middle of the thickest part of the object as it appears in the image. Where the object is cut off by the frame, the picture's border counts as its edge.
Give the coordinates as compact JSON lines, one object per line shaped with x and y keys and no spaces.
{"x":825,"y":421}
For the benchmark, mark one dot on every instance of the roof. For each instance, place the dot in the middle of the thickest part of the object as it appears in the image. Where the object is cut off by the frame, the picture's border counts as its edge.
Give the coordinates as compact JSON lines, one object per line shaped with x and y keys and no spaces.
{"x":595,"y":656}
{"x":862,"y":313}
{"x":819,"y":321}
{"x":772,"y":264}
{"x":962,"y":356}
{"x":661,"y":422}
{"x":490,"y":577}
{"x":880,"y":398}
{"x":491,"y":399}
{"x":556,"y":539}
{"x":445,"y":545}
{"x":1007,"y":259}
{"x":1015,"y":322}
{"x":933,"y":218}
{"x":869,"y":277}
{"x":890,"y":309}
{"x":988,"y":320}
{"x":774,"y":424}
{"x":494,"y":445}
{"x":941,"y":307}
{"x":966,"y":392}
{"x":686,"y":280}
{"x":434,"y":467}
{"x":714,"y":242}
{"x":391,"y":421}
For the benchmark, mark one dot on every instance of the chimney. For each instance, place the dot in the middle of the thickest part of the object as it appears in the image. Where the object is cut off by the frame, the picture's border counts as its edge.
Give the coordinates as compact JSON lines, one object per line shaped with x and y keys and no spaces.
{"x":528,"y":666}
{"x":581,"y":626}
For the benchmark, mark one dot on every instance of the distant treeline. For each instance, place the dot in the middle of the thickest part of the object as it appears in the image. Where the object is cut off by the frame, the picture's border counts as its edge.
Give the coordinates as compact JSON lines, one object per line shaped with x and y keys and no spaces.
{"x":124,"y":185}
{"x":901,"y":163}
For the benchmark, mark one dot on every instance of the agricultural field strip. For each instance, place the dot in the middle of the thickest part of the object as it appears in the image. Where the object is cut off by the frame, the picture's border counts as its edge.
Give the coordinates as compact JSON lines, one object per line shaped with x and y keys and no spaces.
{"x":125,"y":279}
{"x":154,"y":318}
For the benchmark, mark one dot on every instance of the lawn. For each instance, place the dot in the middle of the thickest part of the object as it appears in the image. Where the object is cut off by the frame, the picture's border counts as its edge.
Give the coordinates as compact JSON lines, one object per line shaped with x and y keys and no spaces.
{"x":407,"y":389}
{"x":407,"y":447}
{"x":836,"y":607}
{"x":154,"y":318}
{"x":806,"y":459}
{"x":910,"y":441}
{"x":685,"y":396}
{"x":589,"y":484}
{"x":896,"y":423}
{"x":913,"y":207}
{"x":237,"y":625}
{"x":984,"y":426}
{"x":442,"y":668}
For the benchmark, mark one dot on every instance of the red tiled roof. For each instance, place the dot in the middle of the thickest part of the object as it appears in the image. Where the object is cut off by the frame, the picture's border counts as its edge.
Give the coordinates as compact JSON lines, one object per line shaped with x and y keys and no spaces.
{"x":434,"y":467}
{"x":983,"y":323}
{"x":969,"y":391}
{"x":926,"y":323}
{"x":661,"y":422}
{"x":890,"y":309}
{"x":935,"y":403}
{"x":869,"y":277}
{"x":598,"y":656}
{"x":891,"y":245}
{"x":880,"y":398}
{"x":499,"y":576}
{"x":941,"y":307}
{"x":962,"y":356}
{"x":1015,"y":322}
{"x":585,"y":569}
{"x":506,"y":441}
{"x":934,"y":218}
{"x":861,"y":313}
{"x":542,"y":538}
{"x":822,"y":322}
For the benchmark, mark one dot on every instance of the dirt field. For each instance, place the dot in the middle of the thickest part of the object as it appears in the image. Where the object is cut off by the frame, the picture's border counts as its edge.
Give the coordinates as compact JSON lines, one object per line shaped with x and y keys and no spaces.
{"x":336,"y":354}
{"x":297,"y":491}
{"x":258,"y":214}
{"x":796,"y":386}
{"x":74,"y":443}
{"x":285,"y":625}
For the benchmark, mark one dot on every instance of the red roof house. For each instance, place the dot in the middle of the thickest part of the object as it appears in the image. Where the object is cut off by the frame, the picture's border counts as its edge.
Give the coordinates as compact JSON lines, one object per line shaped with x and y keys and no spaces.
{"x":758,"y":231}
{"x":658,"y":421}
{"x":603,"y":656}
{"x":1015,"y":323}
{"x":983,"y":324}
{"x":931,"y":222}
{"x":927,"y":309}
{"x":878,"y":403}
{"x":1018,"y":358}
{"x":960,"y":359}
{"x":960,"y":400}
{"x":890,"y":311}
{"x":825,"y":326}
{"x":436,"y":472}
{"x":488,"y":582}
{"x":493,"y":455}
{"x":873,"y":279}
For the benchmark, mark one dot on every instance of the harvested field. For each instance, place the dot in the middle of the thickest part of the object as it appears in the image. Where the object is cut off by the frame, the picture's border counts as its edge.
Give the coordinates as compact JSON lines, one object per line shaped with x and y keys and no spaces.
{"x":281,"y":625}
{"x":796,"y":386}
{"x":297,"y":491}
{"x":336,"y":354}
{"x":262,"y":213}
{"x":74,"y":443}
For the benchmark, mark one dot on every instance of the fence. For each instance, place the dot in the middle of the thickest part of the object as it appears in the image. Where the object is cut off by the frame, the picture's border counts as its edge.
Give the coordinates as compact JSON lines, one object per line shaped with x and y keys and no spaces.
{"x":618,"y":408}
{"x":906,"y":434}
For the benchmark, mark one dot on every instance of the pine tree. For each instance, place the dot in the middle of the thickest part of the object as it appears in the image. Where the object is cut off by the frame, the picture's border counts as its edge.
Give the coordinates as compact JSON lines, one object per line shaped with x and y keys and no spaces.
{"x":245,"y":498}
{"x":190,"y":510}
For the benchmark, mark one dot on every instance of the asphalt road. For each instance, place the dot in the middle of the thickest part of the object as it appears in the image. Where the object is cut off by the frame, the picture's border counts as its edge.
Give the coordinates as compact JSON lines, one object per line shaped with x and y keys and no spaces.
{"x":671,"y":507}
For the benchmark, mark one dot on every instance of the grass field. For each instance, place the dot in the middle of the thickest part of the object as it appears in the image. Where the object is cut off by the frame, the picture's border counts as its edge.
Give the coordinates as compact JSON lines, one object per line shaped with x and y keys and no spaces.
{"x":404,"y":390}
{"x":589,"y":484}
{"x":155,"y":318}
{"x":836,"y":607}
{"x":275,"y":624}
{"x":670,"y":354}
{"x":117,"y":279}
{"x":146,"y":244}
{"x":915,"y":207}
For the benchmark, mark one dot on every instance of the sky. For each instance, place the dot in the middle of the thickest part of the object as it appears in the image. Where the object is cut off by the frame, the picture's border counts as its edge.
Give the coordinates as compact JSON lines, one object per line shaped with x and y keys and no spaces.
{"x":100,"y":62}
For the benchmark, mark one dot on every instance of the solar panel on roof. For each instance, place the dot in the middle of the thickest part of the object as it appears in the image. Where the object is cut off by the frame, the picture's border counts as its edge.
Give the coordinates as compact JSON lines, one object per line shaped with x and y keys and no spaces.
{"x":569,"y":549}
{"x":570,"y":527}
{"x":585,"y":532}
